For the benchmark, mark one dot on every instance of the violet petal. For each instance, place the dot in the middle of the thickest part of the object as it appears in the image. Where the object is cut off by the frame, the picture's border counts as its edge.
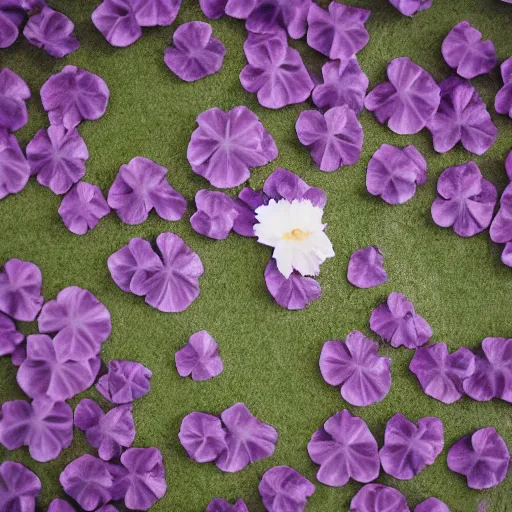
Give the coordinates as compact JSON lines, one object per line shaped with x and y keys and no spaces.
{"x":13,"y":94}
{"x":379,"y":498}
{"x":219,"y":505}
{"x":14,"y":168}
{"x":215,"y":216}
{"x":117,"y":21}
{"x":10,"y":337}
{"x":19,"y":487}
{"x":150,"y":13}
{"x":366,"y":268}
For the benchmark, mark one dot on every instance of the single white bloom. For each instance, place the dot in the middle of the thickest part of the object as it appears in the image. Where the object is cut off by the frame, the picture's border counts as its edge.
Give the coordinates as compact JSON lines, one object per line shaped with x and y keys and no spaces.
{"x":296,"y":232}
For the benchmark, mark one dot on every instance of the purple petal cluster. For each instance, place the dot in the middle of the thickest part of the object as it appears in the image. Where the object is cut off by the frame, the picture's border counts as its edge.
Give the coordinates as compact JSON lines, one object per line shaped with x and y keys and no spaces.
{"x":199,"y":358}
{"x":411,"y":7}
{"x":397,"y":322}
{"x":227,"y":144}
{"x":14,"y":168}
{"x":344,"y":448}
{"x":220,"y":505}
{"x":19,"y":487}
{"x":465,"y":200}
{"x":141,"y":186}
{"x":503,"y":102}
{"x":334,"y":139}
{"x":366,"y":268}
{"x":194,"y":54}
{"x":408,"y":101}
{"x":379,"y":498}
{"x":14,"y":92}
{"x":169,"y":280}
{"x":464,"y":50}
{"x":394,"y":173}
{"x":215,"y":216}
{"x":240,"y":439}
{"x":462,"y":116}
{"x":355,"y":365}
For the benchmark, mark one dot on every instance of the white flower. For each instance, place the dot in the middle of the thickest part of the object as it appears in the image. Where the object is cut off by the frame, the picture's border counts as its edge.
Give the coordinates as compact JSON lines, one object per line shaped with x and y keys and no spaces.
{"x":296,"y":232}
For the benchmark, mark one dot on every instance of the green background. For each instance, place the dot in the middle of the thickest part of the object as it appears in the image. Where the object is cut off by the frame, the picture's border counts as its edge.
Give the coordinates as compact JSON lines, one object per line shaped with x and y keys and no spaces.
{"x":270,"y":355}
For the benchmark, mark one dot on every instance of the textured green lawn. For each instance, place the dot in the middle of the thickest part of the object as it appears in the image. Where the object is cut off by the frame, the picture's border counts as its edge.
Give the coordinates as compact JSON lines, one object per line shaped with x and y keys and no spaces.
{"x":270,"y":355}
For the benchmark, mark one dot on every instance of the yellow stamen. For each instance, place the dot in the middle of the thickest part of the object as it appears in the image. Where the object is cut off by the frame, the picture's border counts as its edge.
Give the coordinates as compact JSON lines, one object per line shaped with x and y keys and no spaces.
{"x":297,"y":234}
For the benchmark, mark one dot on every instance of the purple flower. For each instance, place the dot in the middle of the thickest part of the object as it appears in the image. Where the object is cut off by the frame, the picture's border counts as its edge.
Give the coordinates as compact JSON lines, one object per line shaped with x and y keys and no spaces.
{"x":45,"y":426}
{"x":58,"y":505}
{"x":247,"y":203}
{"x":52,"y":31}
{"x":379,"y":498}
{"x":441,"y":374}
{"x":195,"y":53}
{"x":117,"y":21}
{"x":57,"y":156}
{"x":501,"y":227}
{"x":344,"y":83}
{"x":150,"y":13}
{"x":88,"y":481}
{"x":408,"y":101}
{"x":143,"y":482}
{"x":393,"y":173}
{"x":219,"y":505}
{"x":464,"y":50}
{"x":226,"y":144}
{"x":338,"y":33}
{"x":366,"y":268}
{"x":283,"y":489}
{"x":42,"y":374}
{"x":14,"y":168}
{"x":74,"y":94}
{"x":202,"y":436}
{"x":82,"y":208}
{"x":466,"y":200}
{"x":10,"y":338}
{"x":13,"y":94}
{"x":483,"y":458}
{"x":81,"y":321}
{"x":293,"y":293}
{"x":409,"y":447}
{"x":213,"y":9}
{"x":125,"y":382}
{"x":11,"y":19}
{"x":19,"y":487}
{"x":493,"y":372}
{"x":411,"y":7}
{"x":275,"y":71}
{"x":141,"y":186}
{"x":247,"y":439}
{"x":503,"y":102}
{"x":110,"y":432}
{"x":199,"y":358}
{"x":397,"y":322}
{"x":462,"y":116}
{"x":334,"y":139}
{"x":20,"y":290}
{"x":345,"y":448}
{"x":431,"y":505}
{"x":216,"y":213}
{"x":355,"y":364}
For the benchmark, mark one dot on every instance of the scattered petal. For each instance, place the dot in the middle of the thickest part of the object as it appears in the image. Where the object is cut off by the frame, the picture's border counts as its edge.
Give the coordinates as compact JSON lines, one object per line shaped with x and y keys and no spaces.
{"x":283,"y":489}
{"x":408,"y":101}
{"x":246,"y":204}
{"x":345,"y":448}
{"x":150,"y":13}
{"x":466,"y":200}
{"x":397,"y":322}
{"x":117,"y":21}
{"x":431,"y":505}
{"x":19,"y":354}
{"x":227,"y":144}
{"x":355,"y":364}
{"x":10,"y":23}
{"x":141,"y":186}
{"x":19,"y":487}
{"x":379,"y":498}
{"x":202,"y":436}
{"x":394,"y":173}
{"x":58,"y":505}
{"x":483,"y":458}
{"x":14,"y":168}
{"x":13,"y":94}
{"x":411,"y":7}
{"x":195,"y":53}
{"x":215,"y":216}
{"x":219,"y":505}
{"x":503,"y":102}
{"x":10,"y":338}
{"x":213,"y":9}
{"x":199,"y":358}
{"x":247,"y":439}
{"x":366,"y":268}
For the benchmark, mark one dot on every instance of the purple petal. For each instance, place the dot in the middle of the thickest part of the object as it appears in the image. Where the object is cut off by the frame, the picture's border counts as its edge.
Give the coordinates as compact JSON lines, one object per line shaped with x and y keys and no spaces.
{"x":195,"y":53}
{"x":87,"y":414}
{"x":227,"y":144}
{"x":10,"y":22}
{"x":74,"y":94}
{"x":483,"y":458}
{"x":150,"y":13}
{"x":117,"y":21}
{"x":464,"y":50}
{"x":57,"y":156}
{"x":283,"y":489}
{"x":52,"y":31}
{"x":408,"y":101}
{"x":366,"y":268}
{"x":247,"y":439}
{"x":338,"y":33}
{"x":215,"y":216}
{"x":19,"y":487}
{"x":379,"y":498}
{"x":10,"y":338}
{"x":345,"y":448}
{"x":213,"y":9}
{"x":411,"y":7}
{"x":58,"y":505}
{"x":14,"y":168}
{"x":13,"y":94}
{"x":365,"y":378}
{"x":202,"y":436}
{"x":20,"y":290}
{"x":219,"y":505}
{"x":247,"y":202}
{"x":125,"y":382}
{"x":199,"y":358}
{"x":19,"y":354}
{"x":431,"y":505}
{"x":506,"y":255}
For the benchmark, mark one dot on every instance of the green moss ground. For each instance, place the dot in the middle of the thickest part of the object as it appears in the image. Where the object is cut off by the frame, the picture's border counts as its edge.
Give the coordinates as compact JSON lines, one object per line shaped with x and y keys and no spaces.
{"x":270,"y":355}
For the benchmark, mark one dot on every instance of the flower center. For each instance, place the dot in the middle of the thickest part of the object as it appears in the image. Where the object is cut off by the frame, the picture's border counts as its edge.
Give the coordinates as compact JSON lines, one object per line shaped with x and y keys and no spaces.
{"x":297,"y":234}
